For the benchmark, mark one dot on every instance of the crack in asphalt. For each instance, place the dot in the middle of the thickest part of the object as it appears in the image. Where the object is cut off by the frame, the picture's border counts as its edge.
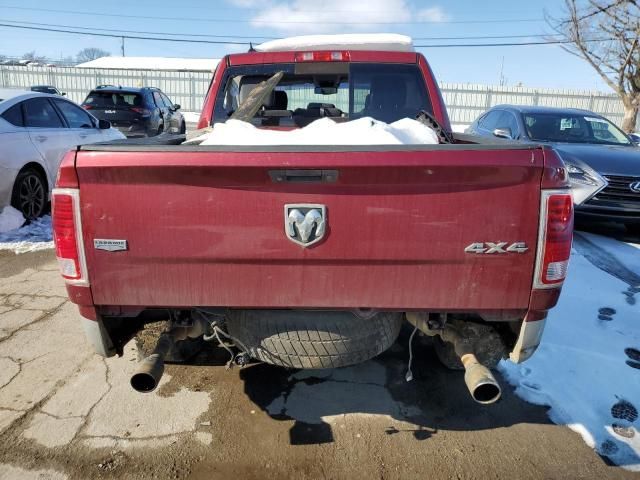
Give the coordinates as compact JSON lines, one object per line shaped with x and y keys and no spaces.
{"x":79,"y":432}
{"x":45,"y":314}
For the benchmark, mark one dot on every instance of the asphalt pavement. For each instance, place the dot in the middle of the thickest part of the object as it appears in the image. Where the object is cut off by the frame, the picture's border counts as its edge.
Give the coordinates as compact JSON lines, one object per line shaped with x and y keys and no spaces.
{"x":67,"y":413}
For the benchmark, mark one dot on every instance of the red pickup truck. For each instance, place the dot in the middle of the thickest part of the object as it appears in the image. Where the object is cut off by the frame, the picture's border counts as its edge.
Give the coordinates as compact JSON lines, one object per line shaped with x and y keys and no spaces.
{"x":313,"y":256}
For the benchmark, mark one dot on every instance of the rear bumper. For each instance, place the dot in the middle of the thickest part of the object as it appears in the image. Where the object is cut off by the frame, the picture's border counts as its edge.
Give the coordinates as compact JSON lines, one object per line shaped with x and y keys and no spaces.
{"x":135,"y":131}
{"x":528,"y":340}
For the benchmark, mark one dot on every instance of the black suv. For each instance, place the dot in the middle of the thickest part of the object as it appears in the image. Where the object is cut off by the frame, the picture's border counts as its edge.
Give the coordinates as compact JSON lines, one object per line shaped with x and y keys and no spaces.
{"x":136,"y":112}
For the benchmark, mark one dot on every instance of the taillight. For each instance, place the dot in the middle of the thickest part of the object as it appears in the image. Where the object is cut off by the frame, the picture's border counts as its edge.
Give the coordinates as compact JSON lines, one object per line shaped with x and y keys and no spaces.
{"x":554,"y":239}
{"x":87,"y":107}
{"x":67,"y":235}
{"x":141,"y":111}
{"x":322,"y":56}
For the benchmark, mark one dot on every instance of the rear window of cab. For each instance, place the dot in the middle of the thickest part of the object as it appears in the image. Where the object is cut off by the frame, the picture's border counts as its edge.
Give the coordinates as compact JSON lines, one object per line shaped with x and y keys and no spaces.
{"x":341,"y":91}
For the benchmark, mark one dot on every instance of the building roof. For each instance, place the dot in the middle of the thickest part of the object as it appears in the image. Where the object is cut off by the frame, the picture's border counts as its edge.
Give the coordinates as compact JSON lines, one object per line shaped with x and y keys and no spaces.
{"x":153,"y":63}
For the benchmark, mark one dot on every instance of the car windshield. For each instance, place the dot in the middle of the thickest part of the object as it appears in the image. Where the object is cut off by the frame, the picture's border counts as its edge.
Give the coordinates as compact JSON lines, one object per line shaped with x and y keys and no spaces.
{"x":341,"y":91}
{"x":112,"y":99}
{"x":573,"y":128}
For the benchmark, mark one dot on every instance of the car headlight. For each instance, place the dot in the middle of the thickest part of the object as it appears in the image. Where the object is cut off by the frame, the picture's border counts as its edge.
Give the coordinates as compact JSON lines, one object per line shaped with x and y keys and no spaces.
{"x":578,"y":175}
{"x":585,"y":182}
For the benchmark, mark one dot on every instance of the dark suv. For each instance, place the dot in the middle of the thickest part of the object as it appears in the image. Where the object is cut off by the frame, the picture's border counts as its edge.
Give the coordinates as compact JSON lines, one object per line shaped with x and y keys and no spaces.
{"x":136,"y":112}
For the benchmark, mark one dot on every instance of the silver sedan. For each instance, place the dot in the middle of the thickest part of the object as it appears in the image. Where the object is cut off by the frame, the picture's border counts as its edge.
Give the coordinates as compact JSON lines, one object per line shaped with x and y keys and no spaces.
{"x":36,"y":130}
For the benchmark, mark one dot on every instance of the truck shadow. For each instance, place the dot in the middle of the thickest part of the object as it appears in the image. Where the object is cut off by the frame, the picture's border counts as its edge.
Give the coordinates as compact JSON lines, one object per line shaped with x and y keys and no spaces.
{"x":436,"y":399}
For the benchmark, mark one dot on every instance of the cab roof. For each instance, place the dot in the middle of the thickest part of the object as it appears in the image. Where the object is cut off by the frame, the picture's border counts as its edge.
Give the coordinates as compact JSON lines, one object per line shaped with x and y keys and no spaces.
{"x":379,"y":42}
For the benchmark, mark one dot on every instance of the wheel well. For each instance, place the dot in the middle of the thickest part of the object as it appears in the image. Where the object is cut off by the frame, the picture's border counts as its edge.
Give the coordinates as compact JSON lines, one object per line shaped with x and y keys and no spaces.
{"x":38,"y":168}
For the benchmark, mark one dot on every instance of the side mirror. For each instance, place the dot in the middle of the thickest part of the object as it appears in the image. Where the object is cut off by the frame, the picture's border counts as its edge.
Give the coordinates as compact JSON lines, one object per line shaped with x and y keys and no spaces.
{"x":176,"y":106}
{"x":104,"y":124}
{"x":502,"y":133}
{"x":635,"y":138}
{"x":64,"y":94}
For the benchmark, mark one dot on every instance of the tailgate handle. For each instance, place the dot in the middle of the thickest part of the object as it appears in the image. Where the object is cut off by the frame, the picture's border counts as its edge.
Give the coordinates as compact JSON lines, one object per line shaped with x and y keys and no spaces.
{"x":303,"y":176}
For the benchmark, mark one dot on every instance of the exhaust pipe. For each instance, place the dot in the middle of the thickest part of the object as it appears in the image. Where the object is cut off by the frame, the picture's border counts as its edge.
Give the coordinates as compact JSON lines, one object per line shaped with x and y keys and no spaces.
{"x":481,"y":383}
{"x":150,"y":370}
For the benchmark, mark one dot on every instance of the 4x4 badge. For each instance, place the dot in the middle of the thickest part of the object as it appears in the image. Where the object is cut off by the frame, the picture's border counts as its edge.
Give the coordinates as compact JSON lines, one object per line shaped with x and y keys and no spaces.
{"x":497,"y":247}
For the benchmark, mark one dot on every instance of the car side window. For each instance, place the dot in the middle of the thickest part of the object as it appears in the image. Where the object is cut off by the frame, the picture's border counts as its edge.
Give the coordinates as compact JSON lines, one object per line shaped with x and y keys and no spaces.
{"x":490,"y":120}
{"x":38,"y":112}
{"x":508,"y":120}
{"x":167,"y":102}
{"x":13,"y":115}
{"x":75,"y":116}
{"x":158,"y":99}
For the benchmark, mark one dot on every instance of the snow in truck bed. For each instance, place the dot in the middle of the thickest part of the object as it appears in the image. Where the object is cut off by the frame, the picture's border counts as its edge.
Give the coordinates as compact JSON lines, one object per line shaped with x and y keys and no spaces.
{"x":364,"y":131}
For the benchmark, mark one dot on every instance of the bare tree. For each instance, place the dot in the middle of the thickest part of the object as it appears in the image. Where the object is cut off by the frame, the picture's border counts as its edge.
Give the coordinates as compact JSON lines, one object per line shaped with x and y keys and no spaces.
{"x":33,"y":57}
{"x":606,"y":33}
{"x":88,"y":54}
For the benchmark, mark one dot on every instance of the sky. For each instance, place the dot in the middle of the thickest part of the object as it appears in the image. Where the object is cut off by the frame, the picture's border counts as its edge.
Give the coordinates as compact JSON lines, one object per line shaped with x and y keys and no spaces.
{"x":546,"y":66}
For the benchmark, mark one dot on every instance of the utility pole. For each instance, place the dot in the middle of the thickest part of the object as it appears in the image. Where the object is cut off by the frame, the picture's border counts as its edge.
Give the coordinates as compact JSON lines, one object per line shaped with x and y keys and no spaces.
{"x":122,"y":46}
{"x":502,"y":80}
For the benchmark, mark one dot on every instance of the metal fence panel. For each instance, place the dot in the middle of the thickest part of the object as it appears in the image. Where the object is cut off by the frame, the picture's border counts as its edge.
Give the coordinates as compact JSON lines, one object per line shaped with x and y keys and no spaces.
{"x":188,"y":88}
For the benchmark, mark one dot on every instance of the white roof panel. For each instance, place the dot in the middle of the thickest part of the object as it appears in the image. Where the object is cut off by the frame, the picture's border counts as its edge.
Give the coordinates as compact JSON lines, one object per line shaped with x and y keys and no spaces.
{"x":153,"y":63}
{"x":388,"y":42}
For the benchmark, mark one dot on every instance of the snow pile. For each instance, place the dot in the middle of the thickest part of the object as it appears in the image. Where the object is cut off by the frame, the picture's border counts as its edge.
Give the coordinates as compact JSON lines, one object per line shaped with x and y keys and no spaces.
{"x":587,"y":368}
{"x":191,"y":117}
{"x":387,"y":42}
{"x":37,"y":235}
{"x":364,"y":131}
{"x":10,"y":219}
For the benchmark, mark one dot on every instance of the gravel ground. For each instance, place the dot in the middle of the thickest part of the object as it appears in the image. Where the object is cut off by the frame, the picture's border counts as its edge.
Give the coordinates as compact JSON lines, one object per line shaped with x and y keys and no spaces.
{"x":67,"y":413}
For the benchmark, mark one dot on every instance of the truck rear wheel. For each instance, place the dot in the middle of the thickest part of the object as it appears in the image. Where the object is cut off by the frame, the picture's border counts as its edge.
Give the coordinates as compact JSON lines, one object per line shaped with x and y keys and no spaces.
{"x":313,"y":339}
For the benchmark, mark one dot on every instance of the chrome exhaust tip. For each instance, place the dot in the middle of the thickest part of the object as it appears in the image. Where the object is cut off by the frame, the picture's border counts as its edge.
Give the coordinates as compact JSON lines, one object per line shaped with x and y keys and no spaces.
{"x":480,"y":382}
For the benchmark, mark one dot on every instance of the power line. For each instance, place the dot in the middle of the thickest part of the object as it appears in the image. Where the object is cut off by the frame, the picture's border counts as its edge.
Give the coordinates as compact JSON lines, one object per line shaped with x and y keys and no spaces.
{"x":139,"y":31}
{"x":224,"y":42}
{"x":132,"y":37}
{"x":270,"y":22}
{"x":509,"y":44}
{"x":119,"y":31}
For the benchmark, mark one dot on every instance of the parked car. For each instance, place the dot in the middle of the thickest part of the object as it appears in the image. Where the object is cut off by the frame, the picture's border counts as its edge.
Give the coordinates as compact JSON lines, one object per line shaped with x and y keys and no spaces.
{"x":6,"y":93}
{"x":36,"y":130}
{"x":136,"y":112}
{"x":47,"y":89}
{"x":469,"y":241}
{"x":603,"y":162}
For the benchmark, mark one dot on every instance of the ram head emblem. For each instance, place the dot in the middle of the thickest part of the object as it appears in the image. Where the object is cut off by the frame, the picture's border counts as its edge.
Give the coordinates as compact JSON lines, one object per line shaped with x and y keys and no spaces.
{"x":305,"y":224}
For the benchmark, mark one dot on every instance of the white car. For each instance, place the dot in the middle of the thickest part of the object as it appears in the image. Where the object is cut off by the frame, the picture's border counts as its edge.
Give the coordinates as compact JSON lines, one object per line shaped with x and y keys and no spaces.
{"x":36,"y":130}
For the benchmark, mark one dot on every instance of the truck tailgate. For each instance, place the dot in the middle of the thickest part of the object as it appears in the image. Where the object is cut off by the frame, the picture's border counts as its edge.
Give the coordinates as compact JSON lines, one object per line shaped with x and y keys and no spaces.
{"x":206,"y":227}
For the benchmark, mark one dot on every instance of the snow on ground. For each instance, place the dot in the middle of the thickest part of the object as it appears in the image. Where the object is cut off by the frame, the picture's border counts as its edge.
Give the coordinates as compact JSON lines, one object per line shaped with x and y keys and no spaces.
{"x":459,"y":127}
{"x":29,"y":238}
{"x":191,"y":117}
{"x":349,"y":41}
{"x":364,"y":131}
{"x":587,"y":368}
{"x":10,"y":219}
